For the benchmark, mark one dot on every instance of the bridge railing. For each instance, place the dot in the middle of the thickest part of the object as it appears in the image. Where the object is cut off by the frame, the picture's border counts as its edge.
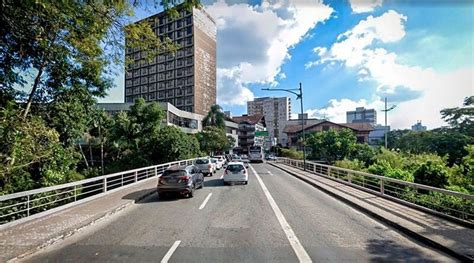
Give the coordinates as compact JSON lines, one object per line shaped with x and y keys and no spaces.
{"x":455,"y":205}
{"x":29,"y":203}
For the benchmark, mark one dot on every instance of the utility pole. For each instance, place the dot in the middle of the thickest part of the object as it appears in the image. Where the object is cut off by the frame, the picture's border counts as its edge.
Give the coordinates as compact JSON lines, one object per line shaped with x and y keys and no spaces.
{"x":299,"y":96}
{"x":386,"y":130}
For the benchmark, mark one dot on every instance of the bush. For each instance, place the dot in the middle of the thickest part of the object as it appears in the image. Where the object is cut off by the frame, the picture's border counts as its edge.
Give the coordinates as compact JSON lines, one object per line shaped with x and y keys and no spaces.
{"x":291,"y":153}
{"x":351,"y":164}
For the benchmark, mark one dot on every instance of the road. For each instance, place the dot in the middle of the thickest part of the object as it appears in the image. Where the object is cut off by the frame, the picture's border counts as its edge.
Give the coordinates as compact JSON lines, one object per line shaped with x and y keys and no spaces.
{"x":289,"y":221}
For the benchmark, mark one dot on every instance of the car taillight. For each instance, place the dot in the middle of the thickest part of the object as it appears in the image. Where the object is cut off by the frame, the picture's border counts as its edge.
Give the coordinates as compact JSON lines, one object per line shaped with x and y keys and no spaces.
{"x":183,"y":178}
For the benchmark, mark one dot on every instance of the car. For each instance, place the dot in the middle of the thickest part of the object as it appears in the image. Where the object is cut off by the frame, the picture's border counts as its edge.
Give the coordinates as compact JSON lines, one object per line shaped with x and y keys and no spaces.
{"x":221,"y":159}
{"x":180,"y":179}
{"x":217,"y":163}
{"x":205,"y":166}
{"x":235,"y":172}
{"x":236,"y":159}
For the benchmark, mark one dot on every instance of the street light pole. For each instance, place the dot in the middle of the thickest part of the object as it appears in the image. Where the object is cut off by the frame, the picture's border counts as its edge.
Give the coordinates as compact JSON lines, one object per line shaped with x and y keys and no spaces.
{"x":302,"y":128}
{"x":299,"y":96}
{"x":387,"y":110}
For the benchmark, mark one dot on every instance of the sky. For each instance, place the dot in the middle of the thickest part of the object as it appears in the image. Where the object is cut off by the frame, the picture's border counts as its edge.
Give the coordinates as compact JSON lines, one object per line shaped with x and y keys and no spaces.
{"x":346,"y":54}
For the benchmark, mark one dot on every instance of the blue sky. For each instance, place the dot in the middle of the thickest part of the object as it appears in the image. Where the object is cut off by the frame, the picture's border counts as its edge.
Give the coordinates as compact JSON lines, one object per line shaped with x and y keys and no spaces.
{"x":345,"y":54}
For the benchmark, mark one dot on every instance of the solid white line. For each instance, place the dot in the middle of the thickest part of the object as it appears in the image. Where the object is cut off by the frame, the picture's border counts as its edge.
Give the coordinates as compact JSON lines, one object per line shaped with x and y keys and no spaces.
{"x":205,"y":201}
{"x":290,"y":234}
{"x":171,"y":251}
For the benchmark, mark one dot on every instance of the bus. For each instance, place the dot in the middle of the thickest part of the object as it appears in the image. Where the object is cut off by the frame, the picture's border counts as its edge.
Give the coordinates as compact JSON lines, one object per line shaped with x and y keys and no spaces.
{"x":256,"y":154}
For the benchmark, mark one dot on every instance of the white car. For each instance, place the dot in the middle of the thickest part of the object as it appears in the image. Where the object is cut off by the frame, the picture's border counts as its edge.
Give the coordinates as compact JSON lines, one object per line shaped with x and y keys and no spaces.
{"x":220,"y":159}
{"x":217,"y":164}
{"x":236,"y":172}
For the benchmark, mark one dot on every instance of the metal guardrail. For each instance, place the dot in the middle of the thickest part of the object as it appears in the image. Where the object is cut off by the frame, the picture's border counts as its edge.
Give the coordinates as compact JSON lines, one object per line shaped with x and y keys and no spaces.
{"x":449,"y":203}
{"x":25,"y":204}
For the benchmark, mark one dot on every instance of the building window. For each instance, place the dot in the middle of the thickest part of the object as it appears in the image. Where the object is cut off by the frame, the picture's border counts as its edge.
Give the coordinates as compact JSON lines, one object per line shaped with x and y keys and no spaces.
{"x":360,"y":139}
{"x":144,"y":89}
{"x":152,"y":87}
{"x":179,"y":92}
{"x":170,"y":93}
{"x":179,"y":73}
{"x":189,"y":40}
{"x":326,"y":127}
{"x":128,"y":91}
{"x":179,"y":101}
{"x":161,"y":94}
{"x":152,"y":96}
{"x":189,"y":90}
{"x":189,"y":100}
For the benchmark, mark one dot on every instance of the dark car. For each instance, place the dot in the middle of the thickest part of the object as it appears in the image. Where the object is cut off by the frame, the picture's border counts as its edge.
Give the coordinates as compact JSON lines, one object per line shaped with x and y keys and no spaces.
{"x":180,"y":179}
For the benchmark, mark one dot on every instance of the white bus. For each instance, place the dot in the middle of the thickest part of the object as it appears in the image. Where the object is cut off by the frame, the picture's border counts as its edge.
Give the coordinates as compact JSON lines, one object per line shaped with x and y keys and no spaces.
{"x":256,"y":154}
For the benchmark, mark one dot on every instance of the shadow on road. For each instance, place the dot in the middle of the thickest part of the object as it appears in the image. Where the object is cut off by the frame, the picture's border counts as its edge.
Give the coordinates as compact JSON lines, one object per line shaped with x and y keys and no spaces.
{"x":389,"y":251}
{"x":214,"y":182}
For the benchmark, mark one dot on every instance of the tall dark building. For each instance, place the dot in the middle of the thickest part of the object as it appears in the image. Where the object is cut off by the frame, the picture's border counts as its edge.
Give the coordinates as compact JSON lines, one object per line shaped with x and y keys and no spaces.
{"x":187,"y":79}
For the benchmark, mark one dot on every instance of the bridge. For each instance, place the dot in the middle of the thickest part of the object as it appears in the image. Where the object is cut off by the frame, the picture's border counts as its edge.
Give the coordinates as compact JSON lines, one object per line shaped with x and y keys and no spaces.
{"x":285,"y":214}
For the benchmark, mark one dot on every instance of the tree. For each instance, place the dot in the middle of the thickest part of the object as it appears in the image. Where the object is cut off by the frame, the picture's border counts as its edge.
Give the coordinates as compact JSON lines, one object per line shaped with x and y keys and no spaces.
{"x":332,"y":145}
{"x":172,"y":144}
{"x":215,"y":117}
{"x":461,"y":119}
{"x":66,"y":45}
{"x":213,"y":139}
{"x":31,"y":154}
{"x":432,"y":173}
{"x":364,"y":153}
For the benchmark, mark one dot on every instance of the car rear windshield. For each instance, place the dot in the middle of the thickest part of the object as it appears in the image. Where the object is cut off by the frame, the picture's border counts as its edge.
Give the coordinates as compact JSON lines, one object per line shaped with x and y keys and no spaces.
{"x":202,"y":161}
{"x":214,"y":160}
{"x":235,"y":167}
{"x":173,"y":173}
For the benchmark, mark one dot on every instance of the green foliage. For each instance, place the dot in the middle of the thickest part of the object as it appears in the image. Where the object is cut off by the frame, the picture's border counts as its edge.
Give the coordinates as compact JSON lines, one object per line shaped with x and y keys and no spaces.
{"x":213,"y":139}
{"x":354,"y":164}
{"x":384,"y":168}
{"x":461,"y":118}
{"x":291,"y":153}
{"x":332,"y":145}
{"x":31,"y":154}
{"x":432,"y":173}
{"x":215,"y":117}
{"x":364,"y":153}
{"x":172,"y":144}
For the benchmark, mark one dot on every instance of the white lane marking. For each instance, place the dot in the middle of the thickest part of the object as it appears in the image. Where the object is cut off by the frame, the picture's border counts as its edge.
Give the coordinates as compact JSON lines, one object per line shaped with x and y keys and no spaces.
{"x":222,"y":176}
{"x":171,"y":251}
{"x":290,"y":234}
{"x":270,"y":173}
{"x":205,"y":201}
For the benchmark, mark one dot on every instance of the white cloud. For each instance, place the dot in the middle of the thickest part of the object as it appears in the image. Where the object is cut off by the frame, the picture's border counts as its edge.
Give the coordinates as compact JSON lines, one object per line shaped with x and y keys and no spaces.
{"x":425,"y":90}
{"x":253,"y":41}
{"x":364,"y":6}
{"x":336,"y":110}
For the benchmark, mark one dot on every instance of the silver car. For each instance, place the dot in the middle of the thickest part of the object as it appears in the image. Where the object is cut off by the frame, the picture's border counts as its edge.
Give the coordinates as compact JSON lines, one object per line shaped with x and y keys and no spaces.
{"x":205,"y":166}
{"x":180,"y":179}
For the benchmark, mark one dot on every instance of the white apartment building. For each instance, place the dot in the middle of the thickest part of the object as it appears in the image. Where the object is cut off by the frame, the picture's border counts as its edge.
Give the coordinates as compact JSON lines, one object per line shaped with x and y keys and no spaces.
{"x":276,"y":112}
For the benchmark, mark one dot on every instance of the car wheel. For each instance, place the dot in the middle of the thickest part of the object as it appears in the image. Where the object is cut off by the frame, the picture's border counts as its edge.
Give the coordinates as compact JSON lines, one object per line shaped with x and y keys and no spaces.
{"x":202,"y":185}
{"x":246,"y":182}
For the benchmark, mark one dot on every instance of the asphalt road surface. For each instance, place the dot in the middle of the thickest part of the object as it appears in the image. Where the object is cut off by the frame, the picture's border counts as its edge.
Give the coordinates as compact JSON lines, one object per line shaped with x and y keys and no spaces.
{"x":275,"y":218}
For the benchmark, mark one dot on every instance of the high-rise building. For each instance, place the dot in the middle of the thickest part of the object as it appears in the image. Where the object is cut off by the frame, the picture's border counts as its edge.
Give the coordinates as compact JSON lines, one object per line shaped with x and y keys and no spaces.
{"x":186,"y":79}
{"x":276,"y":111}
{"x":362,"y":114}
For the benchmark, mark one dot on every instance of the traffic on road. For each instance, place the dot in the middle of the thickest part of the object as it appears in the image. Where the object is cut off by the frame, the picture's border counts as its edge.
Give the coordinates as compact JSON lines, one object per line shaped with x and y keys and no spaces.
{"x":264,"y":215}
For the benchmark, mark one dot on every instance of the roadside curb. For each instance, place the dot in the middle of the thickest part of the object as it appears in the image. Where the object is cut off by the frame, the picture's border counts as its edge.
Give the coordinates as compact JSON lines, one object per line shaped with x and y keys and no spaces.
{"x":386,"y":221}
{"x":70,"y":232}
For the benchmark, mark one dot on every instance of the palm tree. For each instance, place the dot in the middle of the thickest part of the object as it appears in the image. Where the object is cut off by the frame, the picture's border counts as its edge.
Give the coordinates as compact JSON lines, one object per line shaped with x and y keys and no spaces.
{"x":215,"y":117}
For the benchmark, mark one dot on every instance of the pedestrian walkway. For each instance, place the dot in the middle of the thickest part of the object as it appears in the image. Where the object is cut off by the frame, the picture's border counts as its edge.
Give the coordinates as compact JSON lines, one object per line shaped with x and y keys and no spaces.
{"x":443,"y":234}
{"x":28,"y":237}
